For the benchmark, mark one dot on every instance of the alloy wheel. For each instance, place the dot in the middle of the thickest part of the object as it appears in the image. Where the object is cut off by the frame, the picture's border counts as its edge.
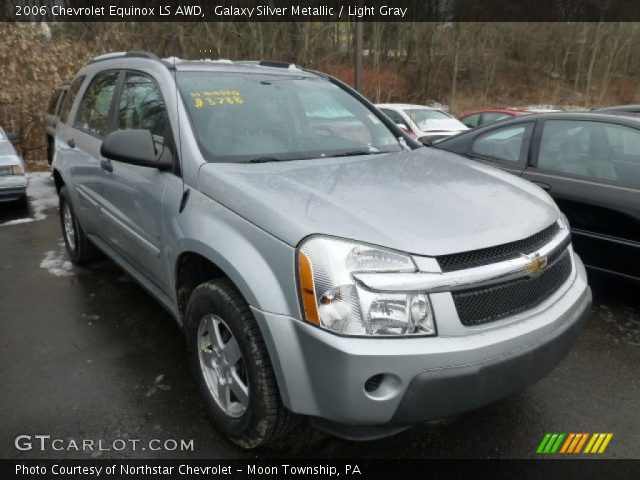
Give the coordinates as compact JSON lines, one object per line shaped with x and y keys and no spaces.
{"x":222,"y":366}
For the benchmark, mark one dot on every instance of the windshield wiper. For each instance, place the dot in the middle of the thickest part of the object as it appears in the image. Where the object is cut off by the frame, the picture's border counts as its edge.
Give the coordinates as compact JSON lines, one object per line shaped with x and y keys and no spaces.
{"x":353,"y":153}
{"x":264,"y":160}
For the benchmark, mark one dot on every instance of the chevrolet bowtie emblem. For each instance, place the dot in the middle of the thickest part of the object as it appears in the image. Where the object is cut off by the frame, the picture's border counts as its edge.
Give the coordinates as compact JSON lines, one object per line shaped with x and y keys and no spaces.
{"x":536,"y":265}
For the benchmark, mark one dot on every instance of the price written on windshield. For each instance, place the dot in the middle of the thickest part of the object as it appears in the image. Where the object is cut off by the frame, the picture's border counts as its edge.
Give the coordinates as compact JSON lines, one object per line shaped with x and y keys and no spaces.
{"x":212,"y":98}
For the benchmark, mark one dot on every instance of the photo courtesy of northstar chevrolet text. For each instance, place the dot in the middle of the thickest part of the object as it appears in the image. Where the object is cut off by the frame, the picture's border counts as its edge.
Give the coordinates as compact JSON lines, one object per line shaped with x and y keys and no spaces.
{"x":319,"y":238}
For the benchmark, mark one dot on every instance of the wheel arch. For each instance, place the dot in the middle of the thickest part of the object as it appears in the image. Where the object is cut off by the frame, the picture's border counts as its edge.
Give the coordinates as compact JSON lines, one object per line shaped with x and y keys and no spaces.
{"x":58,"y":180}
{"x":255,"y":278}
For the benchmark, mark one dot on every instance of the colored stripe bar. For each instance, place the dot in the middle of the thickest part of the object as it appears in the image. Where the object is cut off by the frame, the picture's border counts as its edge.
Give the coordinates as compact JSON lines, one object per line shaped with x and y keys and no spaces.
{"x":593,"y":439}
{"x":581,"y":443}
{"x":596,"y":445}
{"x":573,"y":445}
{"x":606,"y":441}
{"x":550,"y":443}
{"x":543,"y":443}
{"x":567,"y":443}
{"x":555,"y":448}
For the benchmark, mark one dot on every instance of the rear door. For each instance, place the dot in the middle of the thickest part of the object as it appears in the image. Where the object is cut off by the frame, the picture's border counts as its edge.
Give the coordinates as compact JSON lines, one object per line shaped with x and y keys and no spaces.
{"x":133,"y":195}
{"x":592,"y":170}
{"x":78,"y":140}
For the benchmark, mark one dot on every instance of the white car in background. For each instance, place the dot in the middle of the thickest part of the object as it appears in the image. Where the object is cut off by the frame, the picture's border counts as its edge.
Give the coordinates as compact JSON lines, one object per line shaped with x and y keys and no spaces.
{"x":426,"y":124}
{"x":13,"y":181}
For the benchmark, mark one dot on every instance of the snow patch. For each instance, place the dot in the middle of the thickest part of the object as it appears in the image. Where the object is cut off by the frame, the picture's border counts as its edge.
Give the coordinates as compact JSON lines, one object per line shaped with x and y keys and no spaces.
{"x":42,"y":197}
{"x":57,"y":263}
{"x":545,"y":108}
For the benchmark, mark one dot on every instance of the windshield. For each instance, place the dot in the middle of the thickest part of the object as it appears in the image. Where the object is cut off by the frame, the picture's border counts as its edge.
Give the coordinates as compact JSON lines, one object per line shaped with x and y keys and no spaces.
{"x":240,"y":118}
{"x":432,"y":119}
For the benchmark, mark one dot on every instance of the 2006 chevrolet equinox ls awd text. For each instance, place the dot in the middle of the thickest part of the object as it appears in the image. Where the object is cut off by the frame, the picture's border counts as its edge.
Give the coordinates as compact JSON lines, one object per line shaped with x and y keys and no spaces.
{"x":321,"y":263}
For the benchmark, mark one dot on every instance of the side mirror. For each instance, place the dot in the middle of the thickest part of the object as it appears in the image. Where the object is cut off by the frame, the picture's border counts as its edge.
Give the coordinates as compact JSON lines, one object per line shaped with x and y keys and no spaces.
{"x":406,"y":130}
{"x":403,"y":128}
{"x":135,"y":147}
{"x":14,"y":137}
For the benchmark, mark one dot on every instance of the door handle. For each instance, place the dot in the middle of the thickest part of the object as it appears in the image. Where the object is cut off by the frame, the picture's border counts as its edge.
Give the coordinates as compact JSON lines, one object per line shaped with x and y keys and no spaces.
{"x":544,"y":186}
{"x":71,"y":143}
{"x":106,"y":165}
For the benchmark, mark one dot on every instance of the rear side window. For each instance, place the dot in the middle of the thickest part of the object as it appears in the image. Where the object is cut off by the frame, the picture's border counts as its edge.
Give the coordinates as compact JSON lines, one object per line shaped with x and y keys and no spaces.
{"x":69,"y":98}
{"x":506,"y":145}
{"x":96,"y":104}
{"x":493,"y":117}
{"x":142,"y":107}
{"x":471,"y":121}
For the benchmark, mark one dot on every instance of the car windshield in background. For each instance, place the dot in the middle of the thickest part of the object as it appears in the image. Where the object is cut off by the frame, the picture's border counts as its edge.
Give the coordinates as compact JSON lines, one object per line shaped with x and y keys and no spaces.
{"x":245,"y":118}
{"x":433,"y":120}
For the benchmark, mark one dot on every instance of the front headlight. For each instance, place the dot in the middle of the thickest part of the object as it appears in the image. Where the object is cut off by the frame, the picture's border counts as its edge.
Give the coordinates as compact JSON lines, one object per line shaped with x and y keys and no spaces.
{"x":332,"y":300}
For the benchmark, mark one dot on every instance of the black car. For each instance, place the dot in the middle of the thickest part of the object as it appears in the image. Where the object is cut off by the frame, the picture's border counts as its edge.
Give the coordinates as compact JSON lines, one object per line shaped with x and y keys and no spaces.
{"x":588,"y":162}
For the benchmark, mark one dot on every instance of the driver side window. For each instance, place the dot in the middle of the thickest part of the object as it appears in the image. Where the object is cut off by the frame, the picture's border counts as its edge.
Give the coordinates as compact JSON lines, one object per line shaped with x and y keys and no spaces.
{"x":142,"y":107}
{"x":506,"y":145}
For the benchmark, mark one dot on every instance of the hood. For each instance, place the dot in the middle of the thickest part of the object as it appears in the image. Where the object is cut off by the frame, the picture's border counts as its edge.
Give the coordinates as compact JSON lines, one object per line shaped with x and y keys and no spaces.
{"x":425,"y":201}
{"x":442,"y":125}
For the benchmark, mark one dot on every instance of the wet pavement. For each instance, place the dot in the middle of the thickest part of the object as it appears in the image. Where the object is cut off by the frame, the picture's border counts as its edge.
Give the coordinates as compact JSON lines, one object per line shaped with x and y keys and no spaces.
{"x":85,"y":353}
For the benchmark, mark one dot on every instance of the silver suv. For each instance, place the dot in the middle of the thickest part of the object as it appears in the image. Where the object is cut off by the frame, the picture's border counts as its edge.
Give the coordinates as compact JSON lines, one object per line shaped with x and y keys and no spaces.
{"x":321,"y":263}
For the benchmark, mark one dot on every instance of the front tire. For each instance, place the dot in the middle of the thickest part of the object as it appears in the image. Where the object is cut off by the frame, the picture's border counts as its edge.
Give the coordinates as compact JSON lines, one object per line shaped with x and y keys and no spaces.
{"x":81,"y":250}
{"x":232,"y":366}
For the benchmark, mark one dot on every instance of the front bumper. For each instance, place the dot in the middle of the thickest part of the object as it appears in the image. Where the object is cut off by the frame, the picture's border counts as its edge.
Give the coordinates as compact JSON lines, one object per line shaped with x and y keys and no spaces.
{"x":12,"y":187}
{"x":323,"y":375}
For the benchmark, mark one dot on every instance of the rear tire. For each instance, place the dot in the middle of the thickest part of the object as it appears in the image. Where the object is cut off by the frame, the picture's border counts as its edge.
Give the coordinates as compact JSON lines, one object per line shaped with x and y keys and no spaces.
{"x":255,"y":417}
{"x":81,"y":250}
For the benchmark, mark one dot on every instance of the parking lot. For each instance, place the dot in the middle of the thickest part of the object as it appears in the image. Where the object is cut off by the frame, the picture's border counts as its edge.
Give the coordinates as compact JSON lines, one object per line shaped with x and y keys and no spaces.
{"x":86,"y":353}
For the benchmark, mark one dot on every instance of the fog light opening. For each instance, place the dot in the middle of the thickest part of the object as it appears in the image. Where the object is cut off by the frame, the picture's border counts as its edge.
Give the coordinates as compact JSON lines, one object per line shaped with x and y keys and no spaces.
{"x":372,"y":383}
{"x":382,"y":386}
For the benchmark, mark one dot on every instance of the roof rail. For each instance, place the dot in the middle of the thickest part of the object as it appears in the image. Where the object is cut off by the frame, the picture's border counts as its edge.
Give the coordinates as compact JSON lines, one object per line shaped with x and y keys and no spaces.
{"x":276,"y":64}
{"x":109,"y":56}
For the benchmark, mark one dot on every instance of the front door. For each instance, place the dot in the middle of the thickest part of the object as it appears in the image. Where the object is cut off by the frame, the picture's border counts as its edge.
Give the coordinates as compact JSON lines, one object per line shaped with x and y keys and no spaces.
{"x":133,"y":195}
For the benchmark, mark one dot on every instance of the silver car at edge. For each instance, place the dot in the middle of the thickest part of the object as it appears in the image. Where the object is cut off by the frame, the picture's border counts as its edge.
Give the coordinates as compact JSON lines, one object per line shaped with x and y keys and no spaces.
{"x":13,"y":180}
{"x":322,"y":264}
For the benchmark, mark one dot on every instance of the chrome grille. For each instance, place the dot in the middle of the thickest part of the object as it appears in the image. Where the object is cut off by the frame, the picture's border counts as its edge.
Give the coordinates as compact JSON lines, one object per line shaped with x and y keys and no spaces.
{"x":499,"y":253}
{"x":486,"y":304}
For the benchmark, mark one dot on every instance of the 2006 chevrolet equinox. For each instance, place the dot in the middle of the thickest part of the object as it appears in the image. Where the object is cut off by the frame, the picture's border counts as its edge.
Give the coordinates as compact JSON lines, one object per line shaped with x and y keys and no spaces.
{"x":320,"y":262}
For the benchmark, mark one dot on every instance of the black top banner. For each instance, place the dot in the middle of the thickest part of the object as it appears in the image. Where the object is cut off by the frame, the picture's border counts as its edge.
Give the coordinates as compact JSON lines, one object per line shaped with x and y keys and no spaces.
{"x":321,"y":10}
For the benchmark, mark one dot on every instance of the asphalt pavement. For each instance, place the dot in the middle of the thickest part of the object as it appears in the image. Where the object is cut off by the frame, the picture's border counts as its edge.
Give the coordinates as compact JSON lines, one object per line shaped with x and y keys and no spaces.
{"x":85,"y":353}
